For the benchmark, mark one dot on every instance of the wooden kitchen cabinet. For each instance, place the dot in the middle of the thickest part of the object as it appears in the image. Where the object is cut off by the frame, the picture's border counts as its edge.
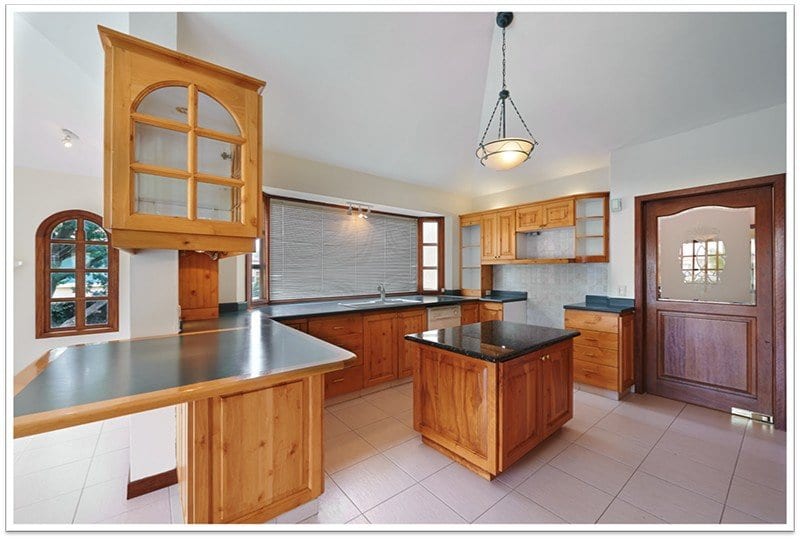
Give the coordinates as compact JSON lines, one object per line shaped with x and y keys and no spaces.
{"x":345,"y":331}
{"x":380,"y":348}
{"x":559,"y":214}
{"x":489,"y":237}
{"x":491,"y":311}
{"x":469,"y":313}
{"x":498,"y":236}
{"x":409,"y":321}
{"x":530,"y":218}
{"x":556,"y":375}
{"x":198,"y":282}
{"x":182,"y":162}
{"x":603,"y":352}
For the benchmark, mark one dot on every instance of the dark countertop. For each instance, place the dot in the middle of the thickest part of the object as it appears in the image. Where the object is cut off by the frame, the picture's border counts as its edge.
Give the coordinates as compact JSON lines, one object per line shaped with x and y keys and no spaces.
{"x":495,"y":341}
{"x":100,"y":372}
{"x":503,"y":296}
{"x":604,"y":304}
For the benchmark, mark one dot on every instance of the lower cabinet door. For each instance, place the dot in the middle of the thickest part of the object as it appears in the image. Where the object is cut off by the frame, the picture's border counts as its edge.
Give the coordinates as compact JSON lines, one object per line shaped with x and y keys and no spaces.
{"x":520,"y":424}
{"x":380,"y":348}
{"x":409,"y":321}
{"x":491,"y":311}
{"x":556,"y":392}
{"x":469,"y":313}
{"x":344,"y":381}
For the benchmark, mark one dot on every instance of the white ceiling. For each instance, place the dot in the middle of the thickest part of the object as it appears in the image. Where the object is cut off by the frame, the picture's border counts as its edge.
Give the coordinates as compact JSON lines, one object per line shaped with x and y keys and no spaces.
{"x":406,"y":95}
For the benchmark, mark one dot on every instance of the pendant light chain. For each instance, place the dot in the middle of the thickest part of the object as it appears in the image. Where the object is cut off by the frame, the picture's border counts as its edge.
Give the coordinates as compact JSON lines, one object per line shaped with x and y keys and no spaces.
{"x":504,"y":59}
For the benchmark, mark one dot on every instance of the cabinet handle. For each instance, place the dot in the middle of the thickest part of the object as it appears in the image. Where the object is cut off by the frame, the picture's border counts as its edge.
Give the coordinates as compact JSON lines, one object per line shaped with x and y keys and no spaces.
{"x":337,"y":380}
{"x":338,"y":327}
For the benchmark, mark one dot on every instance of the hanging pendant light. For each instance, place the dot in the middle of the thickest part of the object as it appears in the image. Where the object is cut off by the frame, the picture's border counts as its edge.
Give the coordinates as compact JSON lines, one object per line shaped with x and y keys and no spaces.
{"x":504,"y":152}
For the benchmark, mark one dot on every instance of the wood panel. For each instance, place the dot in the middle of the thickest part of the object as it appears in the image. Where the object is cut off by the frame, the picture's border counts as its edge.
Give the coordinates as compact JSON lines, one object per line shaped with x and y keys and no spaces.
{"x":491,"y":311}
{"x":592,"y":320}
{"x":380,"y":348}
{"x":506,"y":235}
{"x":626,"y":368}
{"x":489,"y":236}
{"x":556,"y":376}
{"x":326,"y":327}
{"x":529,"y":217}
{"x":300,"y":324}
{"x":344,"y":381}
{"x":560,"y":213}
{"x":520,"y":393}
{"x":469,"y":313}
{"x":198,"y":286}
{"x":596,"y":375}
{"x":409,"y":321}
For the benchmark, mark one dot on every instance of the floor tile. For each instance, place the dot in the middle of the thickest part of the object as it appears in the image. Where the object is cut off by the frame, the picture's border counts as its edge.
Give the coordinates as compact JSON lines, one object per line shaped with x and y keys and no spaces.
{"x":521,"y":470}
{"x":766,"y":432}
{"x":551,"y":447}
{"x":386,"y":433}
{"x":593,"y":468}
{"x":687,"y":473}
{"x":762,"y":470}
{"x":49,"y":483}
{"x":407,"y":418}
{"x":57,"y":437}
{"x":621,"y":512}
{"x":670,"y":502}
{"x":586,"y":413}
{"x":108,"y":466}
{"x":345,"y":450}
{"x":710,"y":425}
{"x":102,"y":501}
{"x":58,"y":510}
{"x":568,"y":497}
{"x":464,"y":491}
{"x":391,"y":401}
{"x":347,"y":402}
{"x":613,"y":445}
{"x":517,"y":509}
{"x":360,"y":415}
{"x":360,"y":519}
{"x":595,"y":401}
{"x":413,"y":506}
{"x":113,"y":440}
{"x":711,"y":453}
{"x":417,"y":459}
{"x":300,"y":513}
{"x":372,"y":481}
{"x":757,"y":500}
{"x":34,"y":460}
{"x":116,"y":423}
{"x":629,"y":427}
{"x":406,"y":389}
{"x":155,"y":513}
{"x":334,"y":506}
{"x":653,"y":403}
{"x":175,"y":510}
{"x":333,"y":426}
{"x":734,"y":516}
{"x":655,"y":418}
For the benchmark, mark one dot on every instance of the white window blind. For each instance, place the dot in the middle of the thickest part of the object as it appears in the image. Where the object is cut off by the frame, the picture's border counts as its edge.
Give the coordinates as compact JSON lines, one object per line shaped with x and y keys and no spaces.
{"x":320,"y":252}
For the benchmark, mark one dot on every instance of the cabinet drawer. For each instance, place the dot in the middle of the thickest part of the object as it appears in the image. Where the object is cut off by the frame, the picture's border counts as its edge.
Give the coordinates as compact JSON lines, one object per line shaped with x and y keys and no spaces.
{"x":591,"y":320}
{"x":327,"y":327}
{"x":353,"y":342}
{"x":344,"y":381}
{"x":595,"y":375}
{"x":593,"y":354}
{"x":596,"y":338}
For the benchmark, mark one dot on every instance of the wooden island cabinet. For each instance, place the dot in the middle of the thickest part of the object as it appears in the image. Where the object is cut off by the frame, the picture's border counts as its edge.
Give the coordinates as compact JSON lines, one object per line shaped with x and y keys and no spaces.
{"x":486,"y":394}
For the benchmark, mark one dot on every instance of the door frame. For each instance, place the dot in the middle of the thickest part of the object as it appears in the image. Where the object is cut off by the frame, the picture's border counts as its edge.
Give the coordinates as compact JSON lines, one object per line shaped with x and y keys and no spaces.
{"x":777,"y":183}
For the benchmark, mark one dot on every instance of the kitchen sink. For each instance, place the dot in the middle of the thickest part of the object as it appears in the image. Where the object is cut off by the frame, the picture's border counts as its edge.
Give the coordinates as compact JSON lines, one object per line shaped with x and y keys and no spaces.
{"x":389,"y":301}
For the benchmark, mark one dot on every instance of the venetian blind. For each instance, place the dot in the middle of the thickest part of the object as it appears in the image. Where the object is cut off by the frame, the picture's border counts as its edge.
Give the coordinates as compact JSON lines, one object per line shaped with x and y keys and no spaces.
{"x":321,"y":252}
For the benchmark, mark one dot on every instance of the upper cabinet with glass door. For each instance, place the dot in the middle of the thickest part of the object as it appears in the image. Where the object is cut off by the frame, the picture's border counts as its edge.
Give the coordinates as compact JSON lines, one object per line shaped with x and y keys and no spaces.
{"x":182,"y":150}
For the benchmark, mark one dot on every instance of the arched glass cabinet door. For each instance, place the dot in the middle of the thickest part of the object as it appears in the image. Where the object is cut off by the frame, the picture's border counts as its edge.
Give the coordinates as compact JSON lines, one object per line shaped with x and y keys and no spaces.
{"x":187,"y":156}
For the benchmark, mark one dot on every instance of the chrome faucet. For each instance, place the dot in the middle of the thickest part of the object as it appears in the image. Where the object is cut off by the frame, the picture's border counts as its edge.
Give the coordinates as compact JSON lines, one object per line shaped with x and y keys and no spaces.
{"x":382,"y":290}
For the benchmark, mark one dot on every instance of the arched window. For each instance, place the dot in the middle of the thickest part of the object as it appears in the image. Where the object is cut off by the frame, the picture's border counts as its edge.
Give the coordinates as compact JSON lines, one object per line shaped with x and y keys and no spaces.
{"x":76,"y":276}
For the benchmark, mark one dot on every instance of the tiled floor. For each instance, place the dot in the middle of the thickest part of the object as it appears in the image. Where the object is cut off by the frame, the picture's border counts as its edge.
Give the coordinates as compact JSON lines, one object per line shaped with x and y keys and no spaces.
{"x":643,"y":460}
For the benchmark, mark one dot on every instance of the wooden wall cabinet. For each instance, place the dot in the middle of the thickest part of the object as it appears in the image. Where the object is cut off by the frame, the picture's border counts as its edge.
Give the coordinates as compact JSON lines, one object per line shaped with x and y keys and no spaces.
{"x":475,"y":277}
{"x":498,"y":236}
{"x":603,"y":352}
{"x":182,"y":161}
{"x":530,"y":218}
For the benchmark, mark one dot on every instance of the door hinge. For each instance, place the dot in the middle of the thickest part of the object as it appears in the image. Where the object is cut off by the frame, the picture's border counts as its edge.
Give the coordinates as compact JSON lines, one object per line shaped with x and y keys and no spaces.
{"x":755,"y":416}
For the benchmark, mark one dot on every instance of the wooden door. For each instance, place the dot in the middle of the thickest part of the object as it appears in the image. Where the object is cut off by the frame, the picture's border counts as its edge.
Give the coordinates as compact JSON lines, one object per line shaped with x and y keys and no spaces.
{"x":506,"y":235}
{"x":489,"y":236}
{"x":520,"y":424}
{"x":469,"y":313}
{"x":380,"y":348}
{"x":409,"y":321}
{"x":198,"y":284}
{"x":491,"y":311}
{"x":556,"y":391}
{"x":709,"y":299}
{"x":560,"y":213}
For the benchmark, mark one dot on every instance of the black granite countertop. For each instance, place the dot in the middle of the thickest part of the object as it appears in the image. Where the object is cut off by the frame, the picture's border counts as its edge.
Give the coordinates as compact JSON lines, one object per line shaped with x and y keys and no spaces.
{"x":603,"y":304}
{"x":104,"y":371}
{"x":318,"y":308}
{"x":503,"y":296}
{"x":495,"y":341}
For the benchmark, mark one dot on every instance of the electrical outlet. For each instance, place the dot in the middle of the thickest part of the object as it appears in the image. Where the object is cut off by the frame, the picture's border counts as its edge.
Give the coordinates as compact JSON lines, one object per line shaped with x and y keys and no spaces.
{"x":622,"y":290}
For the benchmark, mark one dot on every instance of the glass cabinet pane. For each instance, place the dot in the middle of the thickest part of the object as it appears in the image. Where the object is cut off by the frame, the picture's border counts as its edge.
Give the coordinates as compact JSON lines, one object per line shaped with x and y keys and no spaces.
{"x":218,"y":202}
{"x":707,"y":254}
{"x":219,"y":158}
{"x":160,"y":147}
{"x":212,"y":115}
{"x":168,"y":102}
{"x":157,"y":195}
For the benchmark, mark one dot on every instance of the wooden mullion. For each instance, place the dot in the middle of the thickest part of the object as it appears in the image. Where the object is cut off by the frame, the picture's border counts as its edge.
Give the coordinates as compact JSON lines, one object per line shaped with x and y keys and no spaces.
{"x":191,"y":154}
{"x":156,"y":170}
{"x":220,"y":180}
{"x":163,"y":123}
{"x":80,"y":277}
{"x":218,"y":135}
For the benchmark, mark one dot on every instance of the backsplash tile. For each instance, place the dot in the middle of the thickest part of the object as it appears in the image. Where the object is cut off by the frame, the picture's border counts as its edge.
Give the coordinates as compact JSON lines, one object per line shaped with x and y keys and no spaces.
{"x":551,"y":286}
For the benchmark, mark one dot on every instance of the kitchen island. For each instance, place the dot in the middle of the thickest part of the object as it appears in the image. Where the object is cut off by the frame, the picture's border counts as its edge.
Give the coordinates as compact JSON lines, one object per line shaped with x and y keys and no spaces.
{"x":485,"y":394}
{"x":250,"y":404}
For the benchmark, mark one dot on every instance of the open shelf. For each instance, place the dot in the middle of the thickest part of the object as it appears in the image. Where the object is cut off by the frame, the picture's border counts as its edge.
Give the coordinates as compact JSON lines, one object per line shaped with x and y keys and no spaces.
{"x":590,"y":217}
{"x":590,"y":236}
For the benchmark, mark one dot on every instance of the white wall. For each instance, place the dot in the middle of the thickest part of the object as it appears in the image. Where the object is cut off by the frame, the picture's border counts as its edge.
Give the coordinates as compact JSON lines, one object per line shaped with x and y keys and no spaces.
{"x":742,"y":147}
{"x":231,"y":279}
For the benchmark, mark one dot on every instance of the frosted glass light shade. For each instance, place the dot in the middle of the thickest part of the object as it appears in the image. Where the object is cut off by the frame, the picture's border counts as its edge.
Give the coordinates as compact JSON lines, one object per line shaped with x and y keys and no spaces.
{"x":505,"y":153}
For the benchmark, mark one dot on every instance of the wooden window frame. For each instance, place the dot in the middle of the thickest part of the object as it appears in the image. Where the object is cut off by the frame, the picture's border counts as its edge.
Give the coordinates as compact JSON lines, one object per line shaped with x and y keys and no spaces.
{"x":440,"y":254}
{"x":43,"y":271}
{"x":264,"y":258}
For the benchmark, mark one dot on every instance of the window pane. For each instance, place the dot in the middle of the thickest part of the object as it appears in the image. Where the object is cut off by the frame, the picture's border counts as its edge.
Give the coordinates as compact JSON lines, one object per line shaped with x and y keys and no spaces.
{"x":62,"y":255}
{"x":96,"y":256}
{"x":430,"y":232}
{"x":430,"y":279}
{"x":62,"y":314}
{"x":157,"y":146}
{"x":255,"y":291}
{"x":65,"y":230}
{"x":430,"y":256}
{"x":218,"y":202}
{"x":62,"y":285}
{"x":219,"y":158}
{"x":212,"y":115}
{"x":157,"y":195}
{"x":96,"y":312}
{"x":94,"y":232}
{"x":256,"y":256}
{"x":167,"y":102}
{"x":96,"y":284}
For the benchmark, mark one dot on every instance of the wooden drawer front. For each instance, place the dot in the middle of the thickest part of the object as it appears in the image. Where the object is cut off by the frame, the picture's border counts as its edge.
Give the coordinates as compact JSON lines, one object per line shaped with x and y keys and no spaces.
{"x":352,"y":342}
{"x":344,"y":381}
{"x":328,"y":327}
{"x":558,"y":214}
{"x":491,"y":311}
{"x":595,"y":321}
{"x":599,"y":339}
{"x":529,"y":218}
{"x":469,"y":313}
{"x":593,"y":354}
{"x":595,"y":375}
